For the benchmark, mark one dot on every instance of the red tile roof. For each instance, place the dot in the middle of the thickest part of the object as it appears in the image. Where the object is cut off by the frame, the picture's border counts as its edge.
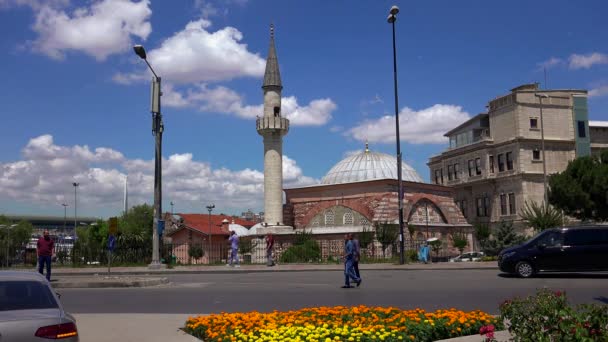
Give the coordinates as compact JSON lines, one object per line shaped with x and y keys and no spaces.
{"x":200,"y":222}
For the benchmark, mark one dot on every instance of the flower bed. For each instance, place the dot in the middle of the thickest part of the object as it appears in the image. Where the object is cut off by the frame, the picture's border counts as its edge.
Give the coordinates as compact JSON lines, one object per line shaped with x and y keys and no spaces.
{"x":340,"y":323}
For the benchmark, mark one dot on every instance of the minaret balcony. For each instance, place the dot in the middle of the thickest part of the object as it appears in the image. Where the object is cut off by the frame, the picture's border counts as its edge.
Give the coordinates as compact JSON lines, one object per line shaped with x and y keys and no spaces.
{"x":274,"y":124}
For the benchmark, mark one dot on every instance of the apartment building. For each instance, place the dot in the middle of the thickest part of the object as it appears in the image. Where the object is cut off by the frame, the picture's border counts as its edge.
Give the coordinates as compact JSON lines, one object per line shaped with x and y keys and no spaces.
{"x":495,"y":160}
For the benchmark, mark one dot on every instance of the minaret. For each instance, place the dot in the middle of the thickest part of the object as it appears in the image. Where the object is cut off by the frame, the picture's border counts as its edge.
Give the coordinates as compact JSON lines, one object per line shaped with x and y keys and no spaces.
{"x":272,"y":126}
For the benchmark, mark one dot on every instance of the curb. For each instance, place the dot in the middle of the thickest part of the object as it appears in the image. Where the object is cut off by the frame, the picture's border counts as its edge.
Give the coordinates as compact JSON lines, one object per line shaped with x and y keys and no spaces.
{"x":245,"y":270}
{"x":111,"y":283}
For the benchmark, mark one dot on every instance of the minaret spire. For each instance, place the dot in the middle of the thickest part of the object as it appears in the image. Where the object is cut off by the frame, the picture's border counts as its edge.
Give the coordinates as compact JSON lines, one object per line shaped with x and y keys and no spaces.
{"x":272,"y":76}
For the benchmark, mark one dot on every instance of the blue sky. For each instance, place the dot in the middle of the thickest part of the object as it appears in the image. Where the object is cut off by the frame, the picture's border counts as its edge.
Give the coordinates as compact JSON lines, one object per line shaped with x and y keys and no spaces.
{"x":75,"y":98}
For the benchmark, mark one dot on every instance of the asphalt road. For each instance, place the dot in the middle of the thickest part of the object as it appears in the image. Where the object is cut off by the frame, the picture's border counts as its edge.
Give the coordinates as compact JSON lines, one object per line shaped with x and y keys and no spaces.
{"x":427,"y":289}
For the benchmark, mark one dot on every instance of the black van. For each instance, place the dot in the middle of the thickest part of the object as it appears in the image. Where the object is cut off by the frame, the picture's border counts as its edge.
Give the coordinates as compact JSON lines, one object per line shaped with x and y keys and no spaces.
{"x":581,"y":248}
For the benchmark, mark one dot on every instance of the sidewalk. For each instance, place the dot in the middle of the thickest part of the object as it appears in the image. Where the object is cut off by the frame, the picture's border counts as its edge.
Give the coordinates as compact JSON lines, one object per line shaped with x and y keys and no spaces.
{"x":143,"y":270}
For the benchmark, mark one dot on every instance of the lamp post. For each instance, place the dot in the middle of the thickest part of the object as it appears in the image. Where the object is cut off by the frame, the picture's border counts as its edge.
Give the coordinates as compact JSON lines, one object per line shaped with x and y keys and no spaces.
{"x":392,"y":17}
{"x":209,"y":208}
{"x":75,"y":205}
{"x":65,"y":215}
{"x":542,"y":145}
{"x":157,"y":131}
{"x":171,"y":208}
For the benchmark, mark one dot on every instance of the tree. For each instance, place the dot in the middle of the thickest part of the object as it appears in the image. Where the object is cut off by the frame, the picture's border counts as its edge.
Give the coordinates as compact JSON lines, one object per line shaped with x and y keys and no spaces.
{"x":436,"y":246}
{"x":246,"y":245}
{"x":482,"y":234}
{"x":366,"y":237}
{"x":14,"y":237}
{"x":196,"y":251}
{"x":386,"y":234}
{"x":581,"y":190}
{"x":460,"y":240}
{"x":411,"y":230}
{"x":541,"y":216}
{"x":505,"y":237}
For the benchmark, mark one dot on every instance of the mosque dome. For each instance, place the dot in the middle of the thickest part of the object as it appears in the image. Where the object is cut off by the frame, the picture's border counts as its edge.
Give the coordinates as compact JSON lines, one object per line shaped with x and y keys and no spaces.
{"x":368,"y":165}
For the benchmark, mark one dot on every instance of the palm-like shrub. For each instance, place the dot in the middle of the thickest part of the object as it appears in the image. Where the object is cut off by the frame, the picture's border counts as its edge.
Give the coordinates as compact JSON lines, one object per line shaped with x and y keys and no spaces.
{"x":541,"y":216}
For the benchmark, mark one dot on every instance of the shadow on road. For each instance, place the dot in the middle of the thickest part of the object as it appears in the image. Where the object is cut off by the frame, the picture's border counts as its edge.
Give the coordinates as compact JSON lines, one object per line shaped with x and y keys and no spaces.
{"x":569,"y":275}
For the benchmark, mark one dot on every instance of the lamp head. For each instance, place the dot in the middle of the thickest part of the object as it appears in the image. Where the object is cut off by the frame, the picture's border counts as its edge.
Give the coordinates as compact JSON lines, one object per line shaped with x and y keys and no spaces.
{"x":75,"y":184}
{"x":391,"y":18}
{"x":140,"y":51}
{"x":394,"y":10}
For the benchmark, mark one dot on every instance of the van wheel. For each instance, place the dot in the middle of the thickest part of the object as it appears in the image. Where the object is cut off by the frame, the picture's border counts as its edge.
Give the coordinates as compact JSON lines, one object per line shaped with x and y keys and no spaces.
{"x":524,"y":269}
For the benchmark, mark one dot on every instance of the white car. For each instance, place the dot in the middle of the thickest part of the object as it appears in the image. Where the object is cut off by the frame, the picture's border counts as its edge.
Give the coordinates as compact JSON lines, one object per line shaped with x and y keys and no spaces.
{"x":469,"y":256}
{"x":30,"y":311}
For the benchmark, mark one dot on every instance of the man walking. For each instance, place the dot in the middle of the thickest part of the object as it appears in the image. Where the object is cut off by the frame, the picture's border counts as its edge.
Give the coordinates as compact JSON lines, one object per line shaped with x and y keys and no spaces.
{"x":234,"y":249}
{"x":45,"y":249}
{"x":269,"y":245}
{"x":349,"y":257}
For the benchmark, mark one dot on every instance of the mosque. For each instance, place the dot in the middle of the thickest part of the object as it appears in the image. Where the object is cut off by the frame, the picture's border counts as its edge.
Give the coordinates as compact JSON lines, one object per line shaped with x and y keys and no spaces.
{"x":357,"y":193}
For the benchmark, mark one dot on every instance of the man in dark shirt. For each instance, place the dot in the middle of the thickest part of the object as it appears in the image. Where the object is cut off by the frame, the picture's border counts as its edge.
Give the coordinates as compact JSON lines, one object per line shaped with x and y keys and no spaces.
{"x":45,"y":249}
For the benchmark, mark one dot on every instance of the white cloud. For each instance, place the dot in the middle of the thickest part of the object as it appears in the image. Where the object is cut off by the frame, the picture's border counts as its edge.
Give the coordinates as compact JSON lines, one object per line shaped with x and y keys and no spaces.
{"x":550,"y":63}
{"x":426,"y":126}
{"x":103,"y":29}
{"x":197,"y":55}
{"x":45,"y":174}
{"x":587,"y":61}
{"x":221,"y":99}
{"x":599,"y":91}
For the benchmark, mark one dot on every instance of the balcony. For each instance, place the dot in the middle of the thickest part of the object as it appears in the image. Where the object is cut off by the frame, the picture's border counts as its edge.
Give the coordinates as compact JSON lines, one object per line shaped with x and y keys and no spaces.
{"x":274,"y":124}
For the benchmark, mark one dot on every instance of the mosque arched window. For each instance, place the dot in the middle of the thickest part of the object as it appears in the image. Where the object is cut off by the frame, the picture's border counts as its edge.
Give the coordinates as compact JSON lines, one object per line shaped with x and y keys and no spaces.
{"x":329,"y":217}
{"x":363,"y":221}
{"x":315,"y":221}
{"x":348,"y":218}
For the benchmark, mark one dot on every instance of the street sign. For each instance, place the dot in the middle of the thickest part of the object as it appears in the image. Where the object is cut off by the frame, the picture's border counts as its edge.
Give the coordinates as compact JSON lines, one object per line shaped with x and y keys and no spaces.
{"x":160,"y":227}
{"x":113,"y":225}
{"x":111,"y":242}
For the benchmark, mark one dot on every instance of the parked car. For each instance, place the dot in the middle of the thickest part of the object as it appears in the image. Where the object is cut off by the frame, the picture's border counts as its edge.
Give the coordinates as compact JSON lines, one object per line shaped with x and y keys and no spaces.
{"x":469,"y":256}
{"x":30,"y":311}
{"x":583,"y":248}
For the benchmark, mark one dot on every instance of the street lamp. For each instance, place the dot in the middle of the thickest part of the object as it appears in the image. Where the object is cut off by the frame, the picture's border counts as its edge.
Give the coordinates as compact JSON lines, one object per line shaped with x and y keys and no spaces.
{"x":392,"y":17}
{"x":157,"y":131}
{"x":209,"y":208}
{"x":75,"y":206}
{"x":542,"y":144}
{"x":171,"y":208}
{"x":65,"y":215}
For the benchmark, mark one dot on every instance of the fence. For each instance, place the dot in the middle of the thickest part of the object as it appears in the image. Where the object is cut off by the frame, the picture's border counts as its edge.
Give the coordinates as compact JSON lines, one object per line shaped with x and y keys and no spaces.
{"x":251,"y":251}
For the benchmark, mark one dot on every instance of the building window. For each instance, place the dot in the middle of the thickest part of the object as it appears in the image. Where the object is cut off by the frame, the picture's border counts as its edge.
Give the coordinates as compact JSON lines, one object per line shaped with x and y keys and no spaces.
{"x":536,"y":154}
{"x":348,"y":218}
{"x":471,"y":167}
{"x":363,"y":221}
{"x":315,"y":221}
{"x":478,"y":166}
{"x":450,"y":171}
{"x":501,"y":163}
{"x":486,"y":206}
{"x":329,"y":218}
{"x":509,"y":160}
{"x":456,"y":170}
{"x":439,"y":176}
{"x":512,"y":209}
{"x":582,"y":133}
{"x":480,"y":211}
{"x":463,"y":207}
{"x":491,"y":163}
{"x":533,"y":123}
{"x":503,"y":204}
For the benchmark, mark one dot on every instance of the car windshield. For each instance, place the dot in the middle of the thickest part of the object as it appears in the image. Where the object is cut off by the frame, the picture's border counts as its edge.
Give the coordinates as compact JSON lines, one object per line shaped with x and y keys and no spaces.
{"x":26,"y":295}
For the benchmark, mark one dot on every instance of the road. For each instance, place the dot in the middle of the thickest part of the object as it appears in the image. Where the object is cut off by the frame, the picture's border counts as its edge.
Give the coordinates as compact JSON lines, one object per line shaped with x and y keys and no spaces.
{"x":427,"y":289}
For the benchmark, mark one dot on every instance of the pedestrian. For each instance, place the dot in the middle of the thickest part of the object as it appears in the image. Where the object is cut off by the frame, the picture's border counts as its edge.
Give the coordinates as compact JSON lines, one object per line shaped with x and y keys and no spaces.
{"x":349,"y":257}
{"x":269,"y":246}
{"x":234,"y":249}
{"x":357,"y":249}
{"x":45,"y":249}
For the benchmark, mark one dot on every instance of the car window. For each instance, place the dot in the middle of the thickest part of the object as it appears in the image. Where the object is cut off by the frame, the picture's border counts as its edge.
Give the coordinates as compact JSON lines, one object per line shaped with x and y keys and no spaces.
{"x":550,"y":239}
{"x":25,"y":295}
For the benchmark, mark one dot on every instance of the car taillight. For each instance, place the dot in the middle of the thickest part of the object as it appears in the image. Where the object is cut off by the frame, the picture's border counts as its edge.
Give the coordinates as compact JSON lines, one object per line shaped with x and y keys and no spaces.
{"x":58,"y":331}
